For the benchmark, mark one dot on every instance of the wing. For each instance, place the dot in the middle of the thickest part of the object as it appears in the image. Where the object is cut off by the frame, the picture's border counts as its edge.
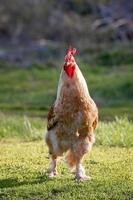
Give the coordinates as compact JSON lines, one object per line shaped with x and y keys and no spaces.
{"x":51,"y":119}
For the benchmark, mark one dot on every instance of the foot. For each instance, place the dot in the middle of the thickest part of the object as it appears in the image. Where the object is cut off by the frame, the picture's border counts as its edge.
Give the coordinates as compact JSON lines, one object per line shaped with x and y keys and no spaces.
{"x":52,"y":171}
{"x":83,"y":178}
{"x":52,"y":174}
{"x":80,"y":173}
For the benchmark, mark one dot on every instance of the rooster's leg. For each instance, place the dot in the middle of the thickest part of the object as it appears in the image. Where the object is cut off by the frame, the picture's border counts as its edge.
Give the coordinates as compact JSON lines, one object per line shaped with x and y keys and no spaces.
{"x":52,"y":171}
{"x":81,"y":148}
{"x":74,"y":160}
{"x":80,"y":173}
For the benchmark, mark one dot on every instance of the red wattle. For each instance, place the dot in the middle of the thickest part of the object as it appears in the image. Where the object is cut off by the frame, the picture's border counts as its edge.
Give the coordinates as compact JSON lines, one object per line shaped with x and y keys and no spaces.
{"x":69,"y":70}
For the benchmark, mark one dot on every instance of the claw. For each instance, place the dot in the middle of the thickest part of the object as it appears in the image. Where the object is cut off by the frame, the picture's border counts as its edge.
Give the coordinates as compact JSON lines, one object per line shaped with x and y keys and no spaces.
{"x":82,"y":178}
{"x":52,"y":174}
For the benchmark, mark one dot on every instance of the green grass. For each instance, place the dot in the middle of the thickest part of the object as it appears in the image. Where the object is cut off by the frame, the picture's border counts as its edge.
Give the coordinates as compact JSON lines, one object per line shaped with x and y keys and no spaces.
{"x":23,"y":162}
{"x":23,"y":166}
{"x":33,"y":90}
{"x":24,"y":89}
{"x":23,"y":128}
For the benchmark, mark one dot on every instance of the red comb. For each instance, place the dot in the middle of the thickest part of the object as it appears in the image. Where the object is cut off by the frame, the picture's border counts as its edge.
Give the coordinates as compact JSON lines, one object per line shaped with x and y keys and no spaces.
{"x":70,"y":53}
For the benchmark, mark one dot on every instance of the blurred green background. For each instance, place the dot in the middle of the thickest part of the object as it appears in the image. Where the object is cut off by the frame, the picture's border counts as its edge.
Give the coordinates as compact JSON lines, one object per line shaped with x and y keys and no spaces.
{"x":34,"y":35}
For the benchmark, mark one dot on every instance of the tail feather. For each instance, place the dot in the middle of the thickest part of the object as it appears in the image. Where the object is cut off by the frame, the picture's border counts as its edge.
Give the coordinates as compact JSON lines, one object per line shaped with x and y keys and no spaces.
{"x":71,"y":160}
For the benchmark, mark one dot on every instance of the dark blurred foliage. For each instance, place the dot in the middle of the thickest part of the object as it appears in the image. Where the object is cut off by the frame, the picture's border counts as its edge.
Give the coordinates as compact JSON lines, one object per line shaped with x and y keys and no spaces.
{"x":82,"y":23}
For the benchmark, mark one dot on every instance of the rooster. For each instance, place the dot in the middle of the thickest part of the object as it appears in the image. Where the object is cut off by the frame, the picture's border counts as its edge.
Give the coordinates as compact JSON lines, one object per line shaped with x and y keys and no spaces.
{"x":71,"y":120}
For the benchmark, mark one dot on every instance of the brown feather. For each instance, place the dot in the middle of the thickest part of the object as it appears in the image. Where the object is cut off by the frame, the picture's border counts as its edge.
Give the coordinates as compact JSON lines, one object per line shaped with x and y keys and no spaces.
{"x":52,"y":121}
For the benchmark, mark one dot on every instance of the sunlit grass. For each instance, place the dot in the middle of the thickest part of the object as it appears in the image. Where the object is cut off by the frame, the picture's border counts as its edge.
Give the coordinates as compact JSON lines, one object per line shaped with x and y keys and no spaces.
{"x":114,"y":133}
{"x":21,"y":127}
{"x":23,"y":166}
{"x":24,"y":160}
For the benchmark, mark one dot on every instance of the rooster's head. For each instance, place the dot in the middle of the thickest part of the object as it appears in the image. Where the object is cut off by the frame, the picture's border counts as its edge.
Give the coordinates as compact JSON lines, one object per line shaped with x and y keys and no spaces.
{"x":70,"y":64}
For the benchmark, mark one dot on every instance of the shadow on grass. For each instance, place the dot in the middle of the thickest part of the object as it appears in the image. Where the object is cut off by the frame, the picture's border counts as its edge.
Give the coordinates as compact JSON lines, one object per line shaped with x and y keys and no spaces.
{"x":14,"y":182}
{"x":100,"y":189}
